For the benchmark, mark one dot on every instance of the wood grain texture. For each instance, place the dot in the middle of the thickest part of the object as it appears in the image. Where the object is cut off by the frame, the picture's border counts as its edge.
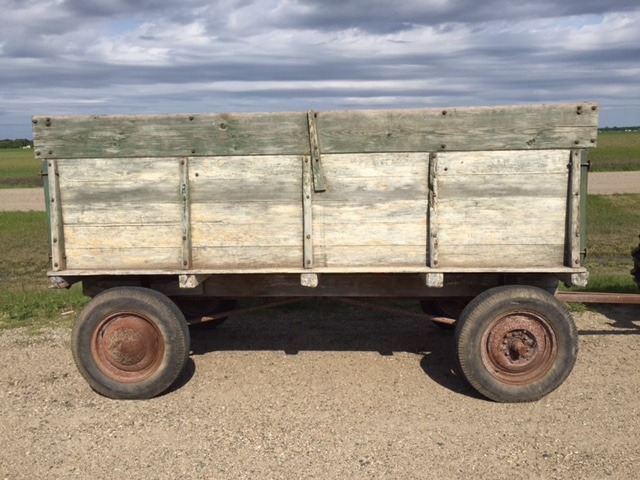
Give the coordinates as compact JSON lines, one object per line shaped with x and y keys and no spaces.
{"x":495,"y":219}
{"x":522,"y":127}
{"x":525,"y":127}
{"x":172,"y":135}
{"x":247,"y":211}
{"x":373,"y":212}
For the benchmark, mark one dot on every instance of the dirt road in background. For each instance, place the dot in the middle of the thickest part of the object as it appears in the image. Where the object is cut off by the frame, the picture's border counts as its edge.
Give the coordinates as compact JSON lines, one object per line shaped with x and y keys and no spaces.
{"x":25,"y":199}
{"x":323,"y":392}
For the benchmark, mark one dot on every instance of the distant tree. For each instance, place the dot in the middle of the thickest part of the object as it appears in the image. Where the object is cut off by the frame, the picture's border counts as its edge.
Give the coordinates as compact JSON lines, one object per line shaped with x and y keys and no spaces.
{"x":620,"y":129}
{"x":16,"y":143}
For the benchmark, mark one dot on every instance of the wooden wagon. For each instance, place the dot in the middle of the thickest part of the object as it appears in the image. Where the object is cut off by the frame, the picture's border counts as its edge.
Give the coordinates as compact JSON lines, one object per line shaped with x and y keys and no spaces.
{"x":168,"y":219}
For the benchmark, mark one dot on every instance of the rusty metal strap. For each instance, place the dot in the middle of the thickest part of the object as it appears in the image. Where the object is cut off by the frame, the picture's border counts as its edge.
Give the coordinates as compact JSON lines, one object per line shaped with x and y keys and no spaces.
{"x":599,"y":297}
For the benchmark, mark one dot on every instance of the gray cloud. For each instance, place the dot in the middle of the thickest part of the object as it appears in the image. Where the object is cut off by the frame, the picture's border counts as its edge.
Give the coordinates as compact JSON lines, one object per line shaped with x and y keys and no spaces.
{"x":124,"y":56}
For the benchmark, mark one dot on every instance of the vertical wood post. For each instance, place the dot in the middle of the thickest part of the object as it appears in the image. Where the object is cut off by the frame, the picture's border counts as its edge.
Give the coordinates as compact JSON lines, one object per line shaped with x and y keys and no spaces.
{"x":58,"y":257}
{"x":432,"y":220}
{"x":572,"y":257}
{"x":307,"y":212}
{"x":186,"y":213}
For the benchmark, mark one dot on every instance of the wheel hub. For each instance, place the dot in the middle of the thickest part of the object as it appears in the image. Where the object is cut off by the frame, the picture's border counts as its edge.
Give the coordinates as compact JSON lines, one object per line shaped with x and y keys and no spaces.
{"x":127,"y":347}
{"x":519,"y":347}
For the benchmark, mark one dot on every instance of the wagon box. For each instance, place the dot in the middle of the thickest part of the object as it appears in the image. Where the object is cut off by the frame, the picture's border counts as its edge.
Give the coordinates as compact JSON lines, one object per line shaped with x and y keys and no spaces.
{"x":168,"y":219}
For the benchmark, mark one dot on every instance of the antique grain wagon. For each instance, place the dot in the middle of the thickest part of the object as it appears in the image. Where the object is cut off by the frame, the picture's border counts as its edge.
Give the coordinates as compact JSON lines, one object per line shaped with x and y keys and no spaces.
{"x":167,"y":217}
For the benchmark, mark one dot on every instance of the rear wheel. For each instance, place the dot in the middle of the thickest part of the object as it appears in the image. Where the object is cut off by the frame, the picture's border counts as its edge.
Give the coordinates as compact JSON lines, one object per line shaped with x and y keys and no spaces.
{"x":516,"y":343}
{"x":130,"y":343}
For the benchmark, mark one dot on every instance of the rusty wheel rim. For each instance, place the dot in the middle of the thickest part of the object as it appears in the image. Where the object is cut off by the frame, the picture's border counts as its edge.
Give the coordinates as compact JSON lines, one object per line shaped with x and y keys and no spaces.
{"x":519,"y":347}
{"x":127,"y":347}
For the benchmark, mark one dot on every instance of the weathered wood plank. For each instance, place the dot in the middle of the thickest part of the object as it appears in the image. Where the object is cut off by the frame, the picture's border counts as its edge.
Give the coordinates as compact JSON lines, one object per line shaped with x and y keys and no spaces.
{"x":258,"y":234}
{"x":120,"y":171}
{"x":246,"y":179}
{"x":120,"y":191}
{"x":523,"y":127}
{"x":357,"y":234}
{"x":247,"y":214}
{"x":391,"y":211}
{"x":133,"y":259}
{"x":413,"y":130}
{"x":503,"y":186}
{"x":283,"y":133}
{"x":237,"y":257}
{"x":368,"y":256}
{"x":121,"y":212}
{"x":105,"y":237}
{"x":510,"y":256}
{"x":487,"y":217}
{"x":511,"y":162}
{"x":374,"y":210}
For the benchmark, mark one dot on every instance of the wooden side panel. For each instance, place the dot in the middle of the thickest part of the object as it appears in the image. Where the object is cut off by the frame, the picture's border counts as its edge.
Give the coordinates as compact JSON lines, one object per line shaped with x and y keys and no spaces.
{"x":121,"y":213}
{"x":522,"y":127}
{"x":373,"y":212}
{"x":502,"y":209}
{"x":172,"y":135}
{"x":246,"y":212}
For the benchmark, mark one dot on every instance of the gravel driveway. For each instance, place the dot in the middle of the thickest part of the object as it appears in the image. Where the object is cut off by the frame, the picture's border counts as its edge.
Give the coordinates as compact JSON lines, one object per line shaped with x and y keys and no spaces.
{"x":323,"y":391}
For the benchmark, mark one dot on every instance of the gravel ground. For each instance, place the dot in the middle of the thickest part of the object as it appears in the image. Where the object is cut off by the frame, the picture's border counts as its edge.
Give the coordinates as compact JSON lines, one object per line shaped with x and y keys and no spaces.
{"x":25,"y":199}
{"x":323,"y":391}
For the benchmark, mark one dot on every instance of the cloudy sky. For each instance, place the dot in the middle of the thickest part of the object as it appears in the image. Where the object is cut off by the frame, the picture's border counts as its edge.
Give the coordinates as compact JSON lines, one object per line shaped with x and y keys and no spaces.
{"x":169,"y":56}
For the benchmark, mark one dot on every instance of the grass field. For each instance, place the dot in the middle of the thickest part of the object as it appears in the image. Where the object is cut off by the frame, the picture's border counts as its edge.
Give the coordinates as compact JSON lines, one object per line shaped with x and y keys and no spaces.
{"x":19,"y":168}
{"x":616,"y":152}
{"x":25,"y":299}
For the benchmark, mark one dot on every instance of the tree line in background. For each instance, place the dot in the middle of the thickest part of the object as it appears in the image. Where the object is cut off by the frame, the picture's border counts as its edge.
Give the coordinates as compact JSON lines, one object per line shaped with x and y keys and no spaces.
{"x":16,"y":143}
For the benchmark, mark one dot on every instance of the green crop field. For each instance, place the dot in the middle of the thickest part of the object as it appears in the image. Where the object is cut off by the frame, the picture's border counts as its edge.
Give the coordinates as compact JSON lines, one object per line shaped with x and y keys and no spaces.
{"x":19,"y":168}
{"x":616,"y":152}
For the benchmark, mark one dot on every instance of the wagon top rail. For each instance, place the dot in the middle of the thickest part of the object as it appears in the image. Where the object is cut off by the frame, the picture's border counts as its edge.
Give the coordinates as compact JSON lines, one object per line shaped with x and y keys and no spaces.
{"x":522,"y":127}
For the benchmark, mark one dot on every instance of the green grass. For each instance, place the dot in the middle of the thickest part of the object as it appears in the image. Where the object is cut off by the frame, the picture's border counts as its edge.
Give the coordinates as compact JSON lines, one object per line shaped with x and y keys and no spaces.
{"x":25,"y":299}
{"x":19,"y":168}
{"x":616,"y":152}
{"x":613,"y":226}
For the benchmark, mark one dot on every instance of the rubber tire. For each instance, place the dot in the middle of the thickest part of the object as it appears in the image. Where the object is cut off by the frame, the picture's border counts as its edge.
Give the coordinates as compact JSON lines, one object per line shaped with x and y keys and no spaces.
{"x":444,"y":308}
{"x":193,"y":308}
{"x":156,"y":309}
{"x":494,"y":304}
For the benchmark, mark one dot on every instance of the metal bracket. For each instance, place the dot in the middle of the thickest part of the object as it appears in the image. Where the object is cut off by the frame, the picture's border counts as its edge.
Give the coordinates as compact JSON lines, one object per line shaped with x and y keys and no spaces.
{"x":314,"y":146}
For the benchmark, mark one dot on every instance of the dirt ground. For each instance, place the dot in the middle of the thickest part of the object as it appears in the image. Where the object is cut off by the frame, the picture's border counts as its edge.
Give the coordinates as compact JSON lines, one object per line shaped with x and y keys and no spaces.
{"x":323,"y":391}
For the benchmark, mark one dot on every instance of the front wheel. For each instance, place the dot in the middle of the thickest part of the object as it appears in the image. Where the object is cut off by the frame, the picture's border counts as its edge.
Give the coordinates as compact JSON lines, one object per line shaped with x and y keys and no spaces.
{"x":130,"y":343}
{"x":516,"y":343}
